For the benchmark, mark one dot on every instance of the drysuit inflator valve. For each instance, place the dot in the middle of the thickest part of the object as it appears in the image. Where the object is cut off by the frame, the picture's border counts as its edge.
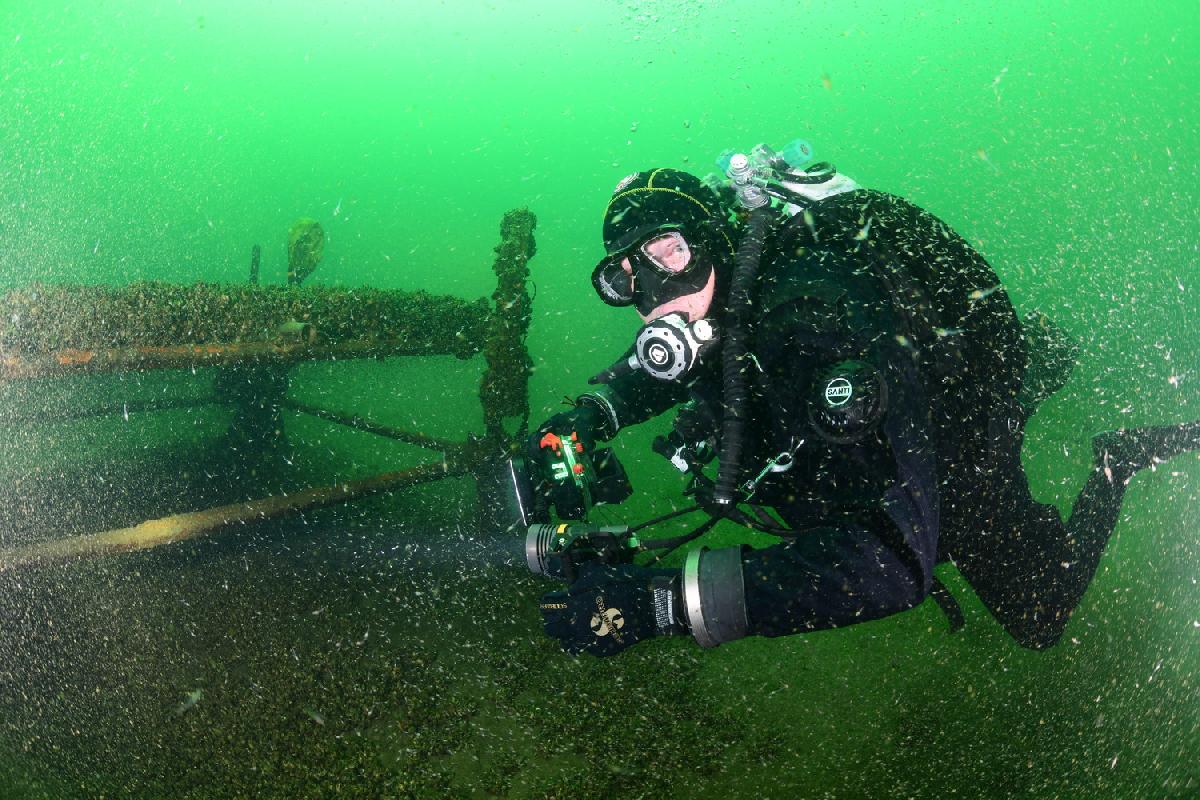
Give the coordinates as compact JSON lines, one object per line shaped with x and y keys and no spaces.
{"x":670,"y":346}
{"x":665,"y":348}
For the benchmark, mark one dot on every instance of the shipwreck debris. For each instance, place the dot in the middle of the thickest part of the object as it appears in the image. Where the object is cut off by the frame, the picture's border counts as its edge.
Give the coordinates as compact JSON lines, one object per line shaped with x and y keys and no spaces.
{"x":254,"y":334}
{"x":504,"y":390}
{"x":306,"y":245}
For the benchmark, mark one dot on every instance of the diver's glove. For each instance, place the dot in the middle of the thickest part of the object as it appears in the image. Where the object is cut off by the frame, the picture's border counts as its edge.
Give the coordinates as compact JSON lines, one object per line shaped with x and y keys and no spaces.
{"x":584,"y":421}
{"x":609,"y":608}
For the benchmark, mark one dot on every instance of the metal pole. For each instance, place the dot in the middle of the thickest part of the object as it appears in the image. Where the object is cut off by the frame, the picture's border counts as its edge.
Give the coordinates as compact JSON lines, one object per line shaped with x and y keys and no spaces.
{"x":40,"y":415}
{"x":359,"y":423}
{"x":179,"y":527}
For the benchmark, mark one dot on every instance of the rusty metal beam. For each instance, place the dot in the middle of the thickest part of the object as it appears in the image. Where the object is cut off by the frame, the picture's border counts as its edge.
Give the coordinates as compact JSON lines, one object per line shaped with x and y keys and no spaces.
{"x":180,"y":527}
{"x":72,"y":361}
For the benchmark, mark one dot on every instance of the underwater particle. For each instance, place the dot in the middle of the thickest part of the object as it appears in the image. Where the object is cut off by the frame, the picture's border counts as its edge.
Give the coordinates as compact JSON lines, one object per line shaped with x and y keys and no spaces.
{"x":827,"y":81}
{"x":980,"y":294}
{"x":189,"y":701}
{"x":865,"y":231}
{"x":996,"y":83}
{"x":982,"y":155}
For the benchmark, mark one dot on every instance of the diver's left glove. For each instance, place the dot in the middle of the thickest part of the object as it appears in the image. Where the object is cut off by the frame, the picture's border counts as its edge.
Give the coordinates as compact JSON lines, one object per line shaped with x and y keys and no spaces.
{"x":608,"y":608}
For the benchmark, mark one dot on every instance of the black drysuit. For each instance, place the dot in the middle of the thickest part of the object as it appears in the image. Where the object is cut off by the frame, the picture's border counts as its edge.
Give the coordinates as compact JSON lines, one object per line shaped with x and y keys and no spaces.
{"x":868,"y":276}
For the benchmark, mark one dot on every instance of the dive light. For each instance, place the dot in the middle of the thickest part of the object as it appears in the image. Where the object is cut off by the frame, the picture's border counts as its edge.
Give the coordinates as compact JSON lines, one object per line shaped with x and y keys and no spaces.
{"x":558,"y":550}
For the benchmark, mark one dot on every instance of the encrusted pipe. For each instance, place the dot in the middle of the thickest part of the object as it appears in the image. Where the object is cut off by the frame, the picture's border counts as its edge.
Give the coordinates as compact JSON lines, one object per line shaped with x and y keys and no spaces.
{"x":504,"y":390}
{"x":57,"y":329}
{"x":255,"y":260}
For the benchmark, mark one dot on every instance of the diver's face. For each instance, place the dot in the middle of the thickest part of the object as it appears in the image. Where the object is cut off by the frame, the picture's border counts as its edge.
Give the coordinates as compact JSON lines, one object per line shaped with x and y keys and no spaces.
{"x":672,"y":256}
{"x":670,"y":251}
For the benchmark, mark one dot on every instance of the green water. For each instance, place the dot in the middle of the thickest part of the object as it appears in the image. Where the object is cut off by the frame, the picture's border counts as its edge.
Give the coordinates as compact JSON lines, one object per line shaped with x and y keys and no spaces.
{"x":151,"y":140}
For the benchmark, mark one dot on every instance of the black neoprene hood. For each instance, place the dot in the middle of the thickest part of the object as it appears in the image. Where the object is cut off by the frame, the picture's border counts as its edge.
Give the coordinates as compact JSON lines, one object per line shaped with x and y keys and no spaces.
{"x":648,"y":201}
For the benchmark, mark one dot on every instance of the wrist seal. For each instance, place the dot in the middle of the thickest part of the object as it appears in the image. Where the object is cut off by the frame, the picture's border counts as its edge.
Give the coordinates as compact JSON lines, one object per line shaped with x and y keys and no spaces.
{"x":603,"y":401}
{"x":714,"y":595}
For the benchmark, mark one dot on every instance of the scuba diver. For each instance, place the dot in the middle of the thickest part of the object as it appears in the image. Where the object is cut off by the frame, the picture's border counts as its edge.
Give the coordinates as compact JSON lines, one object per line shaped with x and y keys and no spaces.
{"x":862,"y":374}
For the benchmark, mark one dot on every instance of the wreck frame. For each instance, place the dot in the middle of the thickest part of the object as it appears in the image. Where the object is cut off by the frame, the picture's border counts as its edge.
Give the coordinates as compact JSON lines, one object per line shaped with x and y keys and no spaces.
{"x":57,"y":331}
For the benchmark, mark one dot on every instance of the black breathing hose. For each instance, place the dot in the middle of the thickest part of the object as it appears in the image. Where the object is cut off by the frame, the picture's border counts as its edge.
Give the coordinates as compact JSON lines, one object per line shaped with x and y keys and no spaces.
{"x":667,"y":546}
{"x":734,"y":355}
{"x":670,"y":515}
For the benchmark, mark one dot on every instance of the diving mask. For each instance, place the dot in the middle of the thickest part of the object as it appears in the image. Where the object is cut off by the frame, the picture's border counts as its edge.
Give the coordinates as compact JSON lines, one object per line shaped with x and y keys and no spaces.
{"x":662,"y":267}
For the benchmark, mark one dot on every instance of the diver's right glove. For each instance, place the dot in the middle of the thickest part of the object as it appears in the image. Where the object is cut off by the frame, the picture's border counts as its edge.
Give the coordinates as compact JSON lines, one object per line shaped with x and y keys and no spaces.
{"x":608,"y":608}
